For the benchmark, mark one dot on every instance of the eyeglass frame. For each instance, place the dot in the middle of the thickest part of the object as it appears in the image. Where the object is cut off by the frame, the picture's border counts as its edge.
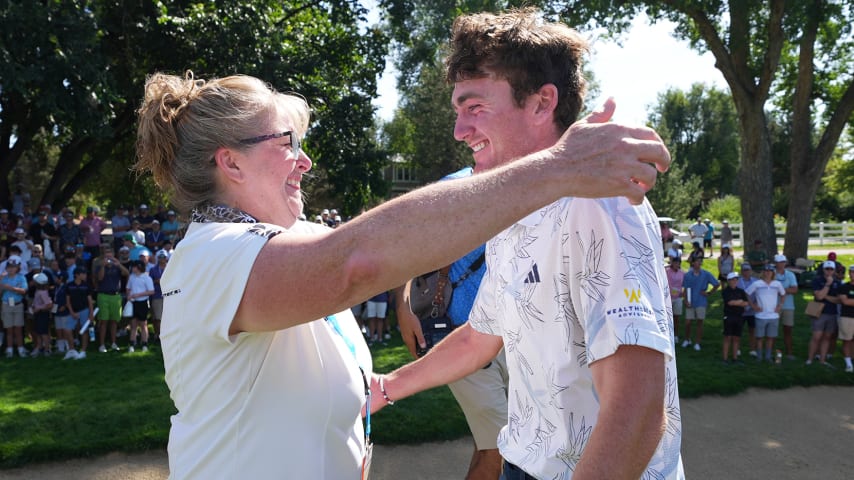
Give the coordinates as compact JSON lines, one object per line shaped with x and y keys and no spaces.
{"x":296,"y":145}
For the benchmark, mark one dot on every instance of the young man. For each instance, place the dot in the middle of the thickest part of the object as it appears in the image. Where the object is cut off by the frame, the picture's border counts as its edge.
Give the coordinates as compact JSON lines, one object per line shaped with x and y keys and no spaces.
{"x":109,"y":274}
{"x":768,"y":294}
{"x":696,"y":284}
{"x":846,"y":319}
{"x":824,"y":327}
{"x":80,"y":307}
{"x":735,"y":299}
{"x":575,"y":292}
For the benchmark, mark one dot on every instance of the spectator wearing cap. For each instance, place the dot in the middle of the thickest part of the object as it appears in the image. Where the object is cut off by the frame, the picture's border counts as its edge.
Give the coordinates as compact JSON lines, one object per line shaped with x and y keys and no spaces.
{"x":120,"y":224}
{"x":133,"y":246}
{"x":726,"y":233}
{"x":766,"y":299}
{"x":80,"y":306}
{"x":69,"y":232}
{"x":91,"y":228}
{"x":13,"y":285}
{"x":110,"y":277}
{"x":845,"y":295}
{"x":675,"y":277}
{"x":146,"y":259}
{"x":696,"y":283}
{"x":155,"y":272}
{"x":24,"y":244}
{"x":144,"y":218}
{"x":170,"y":226}
{"x":735,"y":300}
{"x":745,"y":280}
{"x":675,"y":249}
{"x":139,"y":288}
{"x":137,"y":232}
{"x":41,"y":307}
{"x":726,"y":262}
{"x":8,"y":224}
{"x":787,"y":315}
{"x":824,"y":327}
{"x":155,"y":238}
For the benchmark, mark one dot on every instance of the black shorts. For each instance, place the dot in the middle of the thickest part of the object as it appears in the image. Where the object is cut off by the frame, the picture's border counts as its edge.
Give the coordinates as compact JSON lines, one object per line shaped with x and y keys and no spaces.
{"x":707,"y":243}
{"x":750,"y":320}
{"x":42,"y":321}
{"x":140,"y":310}
{"x":733,"y":325}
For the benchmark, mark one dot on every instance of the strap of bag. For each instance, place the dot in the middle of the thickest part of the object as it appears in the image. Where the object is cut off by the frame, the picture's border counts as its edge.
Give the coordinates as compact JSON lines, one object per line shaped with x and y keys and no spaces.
{"x":475,"y":266}
{"x":439,"y":298}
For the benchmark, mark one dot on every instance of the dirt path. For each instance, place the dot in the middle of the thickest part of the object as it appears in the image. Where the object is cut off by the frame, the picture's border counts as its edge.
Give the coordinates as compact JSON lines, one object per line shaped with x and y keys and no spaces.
{"x":785,"y":435}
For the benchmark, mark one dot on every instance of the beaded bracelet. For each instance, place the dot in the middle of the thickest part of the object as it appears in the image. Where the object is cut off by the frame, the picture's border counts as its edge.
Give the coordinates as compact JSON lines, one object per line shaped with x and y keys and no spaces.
{"x":382,"y":390}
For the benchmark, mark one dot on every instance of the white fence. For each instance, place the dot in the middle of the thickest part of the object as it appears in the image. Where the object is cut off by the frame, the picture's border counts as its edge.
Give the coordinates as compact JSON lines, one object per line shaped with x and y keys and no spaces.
{"x":820,"y":233}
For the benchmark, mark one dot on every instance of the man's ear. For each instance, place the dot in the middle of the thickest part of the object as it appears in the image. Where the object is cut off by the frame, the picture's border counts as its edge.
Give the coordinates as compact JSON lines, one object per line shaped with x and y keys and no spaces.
{"x":545,"y":102}
{"x":228,"y":163}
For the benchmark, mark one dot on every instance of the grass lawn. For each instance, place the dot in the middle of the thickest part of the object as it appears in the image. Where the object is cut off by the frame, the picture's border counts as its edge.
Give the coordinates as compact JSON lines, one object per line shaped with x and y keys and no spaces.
{"x":52,"y":409}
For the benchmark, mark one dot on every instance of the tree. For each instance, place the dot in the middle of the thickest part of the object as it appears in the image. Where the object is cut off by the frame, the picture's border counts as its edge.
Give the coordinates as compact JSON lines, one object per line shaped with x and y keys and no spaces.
{"x":73,"y":71}
{"x":802,"y":51}
{"x":700,"y":129}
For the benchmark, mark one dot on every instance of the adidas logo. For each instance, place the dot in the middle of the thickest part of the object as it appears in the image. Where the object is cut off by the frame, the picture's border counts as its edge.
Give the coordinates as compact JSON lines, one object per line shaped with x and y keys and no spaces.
{"x":533,"y":275}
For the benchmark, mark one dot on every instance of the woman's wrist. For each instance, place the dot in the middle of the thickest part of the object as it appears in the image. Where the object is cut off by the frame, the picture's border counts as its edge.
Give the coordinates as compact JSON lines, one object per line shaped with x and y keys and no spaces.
{"x":384,"y":392}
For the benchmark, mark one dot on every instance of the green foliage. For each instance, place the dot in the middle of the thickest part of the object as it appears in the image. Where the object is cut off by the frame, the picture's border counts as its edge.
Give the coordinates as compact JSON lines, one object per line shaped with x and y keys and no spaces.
{"x":700,"y":129}
{"x":675,"y":193}
{"x":725,"y":208}
{"x":76,"y":69}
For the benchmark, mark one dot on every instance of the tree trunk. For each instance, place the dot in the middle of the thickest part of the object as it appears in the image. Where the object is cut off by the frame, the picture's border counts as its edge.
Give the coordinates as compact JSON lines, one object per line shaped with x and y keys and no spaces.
{"x":756,"y":187}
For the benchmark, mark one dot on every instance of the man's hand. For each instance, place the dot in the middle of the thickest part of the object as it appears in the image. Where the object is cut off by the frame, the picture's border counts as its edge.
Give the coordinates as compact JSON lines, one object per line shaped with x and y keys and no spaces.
{"x":613,"y":159}
{"x":410,"y":326}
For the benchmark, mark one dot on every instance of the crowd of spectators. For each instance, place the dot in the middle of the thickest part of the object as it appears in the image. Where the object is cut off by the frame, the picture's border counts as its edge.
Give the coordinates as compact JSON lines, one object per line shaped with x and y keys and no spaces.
{"x":56,"y":269}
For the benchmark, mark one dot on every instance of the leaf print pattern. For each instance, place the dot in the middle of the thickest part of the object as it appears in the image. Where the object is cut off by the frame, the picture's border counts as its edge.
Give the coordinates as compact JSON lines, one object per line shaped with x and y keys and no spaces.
{"x":520,"y":418}
{"x":578,"y":437}
{"x":640,"y":262}
{"x":592,"y":279}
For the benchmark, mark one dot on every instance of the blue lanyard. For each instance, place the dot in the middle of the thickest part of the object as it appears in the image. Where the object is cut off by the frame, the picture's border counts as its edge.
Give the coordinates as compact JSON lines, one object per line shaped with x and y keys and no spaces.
{"x":331,"y":320}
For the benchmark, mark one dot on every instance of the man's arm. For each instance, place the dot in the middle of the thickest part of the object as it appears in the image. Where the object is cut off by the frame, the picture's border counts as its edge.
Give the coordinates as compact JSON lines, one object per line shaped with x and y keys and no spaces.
{"x":630,"y":384}
{"x":461,"y":353}
{"x":328,"y":272}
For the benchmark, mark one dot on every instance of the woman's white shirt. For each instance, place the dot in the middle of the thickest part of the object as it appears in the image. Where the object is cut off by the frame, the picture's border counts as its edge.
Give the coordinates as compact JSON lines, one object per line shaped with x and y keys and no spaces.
{"x":284,"y":404}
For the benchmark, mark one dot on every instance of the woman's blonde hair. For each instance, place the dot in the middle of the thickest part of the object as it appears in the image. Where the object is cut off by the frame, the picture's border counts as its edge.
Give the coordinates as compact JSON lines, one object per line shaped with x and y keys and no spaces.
{"x":183,"y":121}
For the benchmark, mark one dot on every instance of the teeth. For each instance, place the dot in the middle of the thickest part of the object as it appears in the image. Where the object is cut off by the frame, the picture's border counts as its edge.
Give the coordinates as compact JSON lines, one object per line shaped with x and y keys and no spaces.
{"x":478,"y":147}
{"x":293,"y":183}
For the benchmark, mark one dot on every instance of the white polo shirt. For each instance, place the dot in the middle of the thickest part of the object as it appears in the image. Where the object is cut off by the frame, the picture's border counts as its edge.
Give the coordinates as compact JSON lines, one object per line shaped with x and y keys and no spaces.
{"x":567,"y":286}
{"x":284,"y":404}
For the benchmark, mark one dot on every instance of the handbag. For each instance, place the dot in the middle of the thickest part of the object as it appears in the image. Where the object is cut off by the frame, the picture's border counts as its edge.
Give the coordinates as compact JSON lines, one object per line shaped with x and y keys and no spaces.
{"x":127,"y":311}
{"x":814,"y":309}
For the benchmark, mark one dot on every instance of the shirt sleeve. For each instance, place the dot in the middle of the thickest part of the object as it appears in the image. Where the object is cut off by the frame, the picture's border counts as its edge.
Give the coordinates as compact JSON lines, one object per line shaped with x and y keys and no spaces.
{"x":618,"y":289}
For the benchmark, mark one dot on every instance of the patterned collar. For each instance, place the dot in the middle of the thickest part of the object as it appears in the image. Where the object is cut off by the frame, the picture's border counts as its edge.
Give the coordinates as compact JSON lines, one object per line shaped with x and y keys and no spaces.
{"x":220,"y":214}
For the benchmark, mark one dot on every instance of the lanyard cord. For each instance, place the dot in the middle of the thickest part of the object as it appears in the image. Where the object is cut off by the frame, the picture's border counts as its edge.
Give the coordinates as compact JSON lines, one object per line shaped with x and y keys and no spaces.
{"x":331,"y":320}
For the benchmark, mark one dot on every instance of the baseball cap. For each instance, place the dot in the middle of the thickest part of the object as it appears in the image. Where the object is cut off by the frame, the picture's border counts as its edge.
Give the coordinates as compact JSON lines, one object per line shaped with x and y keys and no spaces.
{"x":162,"y":254}
{"x":746,"y":266}
{"x":780,"y":258}
{"x":770,"y":267}
{"x":726,"y":245}
{"x":143,"y":207}
{"x":19,"y":230}
{"x":40,"y":278}
{"x":677,"y":242}
{"x":731,"y":275}
{"x":829,"y":264}
{"x":325,"y":211}
{"x":3,"y":210}
{"x":831,"y":256}
{"x":124,"y":249}
{"x":13,"y":260}
{"x":725,"y":221}
{"x":34,"y":263}
{"x":155,"y":221}
{"x":128,"y":236}
{"x":170,"y":212}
